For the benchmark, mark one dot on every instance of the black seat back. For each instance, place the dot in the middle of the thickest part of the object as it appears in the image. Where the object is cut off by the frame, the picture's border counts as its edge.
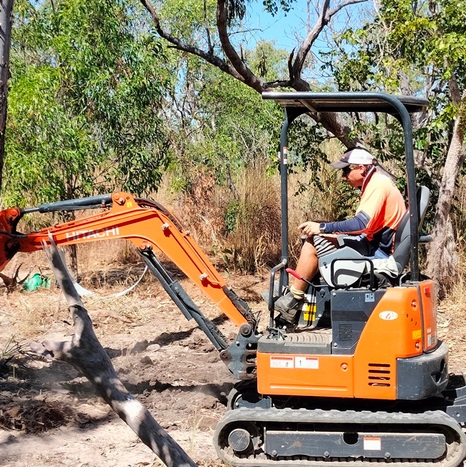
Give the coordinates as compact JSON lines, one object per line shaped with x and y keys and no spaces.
{"x":403,"y":233}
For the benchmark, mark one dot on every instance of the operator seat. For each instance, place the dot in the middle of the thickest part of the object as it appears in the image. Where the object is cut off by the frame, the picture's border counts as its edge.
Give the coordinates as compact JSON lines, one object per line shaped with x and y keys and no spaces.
{"x":345,"y":266}
{"x":403,"y":234}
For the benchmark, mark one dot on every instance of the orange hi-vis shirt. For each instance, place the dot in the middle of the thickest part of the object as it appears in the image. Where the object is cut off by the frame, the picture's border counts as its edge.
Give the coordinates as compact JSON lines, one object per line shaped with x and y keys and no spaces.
{"x":383,"y":204}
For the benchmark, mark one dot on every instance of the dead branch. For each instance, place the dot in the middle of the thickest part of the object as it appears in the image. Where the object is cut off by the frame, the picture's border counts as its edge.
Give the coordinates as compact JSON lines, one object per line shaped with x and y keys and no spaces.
{"x":12,"y":282}
{"x":85,"y":353}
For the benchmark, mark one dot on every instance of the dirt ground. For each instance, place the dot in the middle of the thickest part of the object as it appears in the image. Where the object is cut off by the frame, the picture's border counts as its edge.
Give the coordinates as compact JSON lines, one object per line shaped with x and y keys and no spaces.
{"x":49,"y":414}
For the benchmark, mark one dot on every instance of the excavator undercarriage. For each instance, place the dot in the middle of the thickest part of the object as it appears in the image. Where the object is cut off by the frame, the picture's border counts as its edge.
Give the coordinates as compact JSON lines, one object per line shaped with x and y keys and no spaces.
{"x":284,"y":437}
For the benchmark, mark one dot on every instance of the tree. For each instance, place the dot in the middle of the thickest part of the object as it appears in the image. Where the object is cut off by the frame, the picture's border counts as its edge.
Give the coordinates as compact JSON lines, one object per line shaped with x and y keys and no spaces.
{"x":216,"y":23}
{"x":84,"y":113}
{"x":6,"y":8}
{"x":420,"y":48}
{"x":85,"y":353}
{"x":225,"y":126}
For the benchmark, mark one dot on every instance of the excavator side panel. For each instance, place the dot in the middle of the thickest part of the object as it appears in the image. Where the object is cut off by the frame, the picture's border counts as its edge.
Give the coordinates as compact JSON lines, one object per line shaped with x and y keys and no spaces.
{"x":394,"y":330}
{"x":305,"y":375}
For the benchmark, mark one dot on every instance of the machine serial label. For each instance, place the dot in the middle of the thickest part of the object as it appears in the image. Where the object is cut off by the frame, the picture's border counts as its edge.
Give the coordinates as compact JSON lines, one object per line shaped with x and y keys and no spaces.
{"x":99,"y":233}
{"x":372,"y":444}
{"x":281,"y":362}
{"x":307,"y":363}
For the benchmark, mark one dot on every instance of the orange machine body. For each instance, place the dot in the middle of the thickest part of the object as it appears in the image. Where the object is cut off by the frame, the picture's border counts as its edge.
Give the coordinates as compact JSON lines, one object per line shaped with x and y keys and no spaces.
{"x":401,"y":326}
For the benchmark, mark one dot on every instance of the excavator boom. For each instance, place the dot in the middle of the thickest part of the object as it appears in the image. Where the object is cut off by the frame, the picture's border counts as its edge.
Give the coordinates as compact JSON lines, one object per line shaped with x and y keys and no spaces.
{"x":151,"y":228}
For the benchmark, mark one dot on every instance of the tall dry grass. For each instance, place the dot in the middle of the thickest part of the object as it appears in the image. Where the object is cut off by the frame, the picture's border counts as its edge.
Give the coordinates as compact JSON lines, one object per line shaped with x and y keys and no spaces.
{"x":458,"y":290}
{"x":240,"y":226}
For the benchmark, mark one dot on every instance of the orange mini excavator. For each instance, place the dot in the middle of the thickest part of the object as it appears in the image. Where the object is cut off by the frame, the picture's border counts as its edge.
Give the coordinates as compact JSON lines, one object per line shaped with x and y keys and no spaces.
{"x":362,"y":380}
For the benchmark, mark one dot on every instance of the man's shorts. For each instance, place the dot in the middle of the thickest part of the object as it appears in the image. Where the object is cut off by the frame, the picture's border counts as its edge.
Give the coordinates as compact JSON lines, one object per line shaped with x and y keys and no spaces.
{"x":360,"y":243}
{"x":322,"y":245}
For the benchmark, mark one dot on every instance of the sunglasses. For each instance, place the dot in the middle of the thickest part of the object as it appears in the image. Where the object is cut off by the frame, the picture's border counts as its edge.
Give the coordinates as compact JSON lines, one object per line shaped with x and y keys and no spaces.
{"x":348,"y":169}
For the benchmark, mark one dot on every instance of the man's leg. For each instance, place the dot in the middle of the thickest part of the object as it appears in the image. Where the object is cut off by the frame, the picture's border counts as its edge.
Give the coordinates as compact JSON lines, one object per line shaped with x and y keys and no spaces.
{"x":308,"y":264}
{"x":289,"y":305}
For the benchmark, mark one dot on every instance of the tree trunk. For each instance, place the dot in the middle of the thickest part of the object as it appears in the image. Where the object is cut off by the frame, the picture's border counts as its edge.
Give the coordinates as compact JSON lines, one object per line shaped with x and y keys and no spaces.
{"x":86,"y":354}
{"x":442,"y":255}
{"x":6,"y":8}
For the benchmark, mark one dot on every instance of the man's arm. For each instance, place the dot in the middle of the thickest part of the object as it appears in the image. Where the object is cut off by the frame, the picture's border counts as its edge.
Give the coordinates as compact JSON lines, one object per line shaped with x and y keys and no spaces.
{"x":354,"y":225}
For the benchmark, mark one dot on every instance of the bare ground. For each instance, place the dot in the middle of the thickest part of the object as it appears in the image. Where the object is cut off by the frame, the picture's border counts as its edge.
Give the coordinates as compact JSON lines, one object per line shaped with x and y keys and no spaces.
{"x":49,"y":414}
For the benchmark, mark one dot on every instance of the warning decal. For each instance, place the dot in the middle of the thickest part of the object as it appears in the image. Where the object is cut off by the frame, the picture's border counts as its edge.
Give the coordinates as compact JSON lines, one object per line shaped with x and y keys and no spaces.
{"x":307,"y":363}
{"x":372,"y":444}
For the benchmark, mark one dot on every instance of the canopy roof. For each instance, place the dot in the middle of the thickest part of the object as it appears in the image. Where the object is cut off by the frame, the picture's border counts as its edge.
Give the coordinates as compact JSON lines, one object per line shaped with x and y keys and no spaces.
{"x":347,"y":102}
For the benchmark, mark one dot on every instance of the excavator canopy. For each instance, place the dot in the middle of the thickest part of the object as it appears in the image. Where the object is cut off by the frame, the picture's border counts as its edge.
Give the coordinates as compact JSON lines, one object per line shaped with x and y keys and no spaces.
{"x":401,"y":107}
{"x":347,"y":102}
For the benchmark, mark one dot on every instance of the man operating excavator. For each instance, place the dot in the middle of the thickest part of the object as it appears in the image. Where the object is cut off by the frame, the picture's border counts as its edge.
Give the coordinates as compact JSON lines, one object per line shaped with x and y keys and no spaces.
{"x":370,"y":231}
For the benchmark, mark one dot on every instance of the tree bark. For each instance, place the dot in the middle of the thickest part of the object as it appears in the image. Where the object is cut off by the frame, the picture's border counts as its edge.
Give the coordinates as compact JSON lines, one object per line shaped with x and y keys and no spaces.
{"x":6,"y":8}
{"x":442,"y":259}
{"x":442,"y":256}
{"x":85,"y":353}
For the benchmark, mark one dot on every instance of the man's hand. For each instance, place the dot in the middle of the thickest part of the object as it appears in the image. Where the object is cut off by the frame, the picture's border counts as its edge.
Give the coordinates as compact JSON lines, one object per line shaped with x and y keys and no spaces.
{"x":310,"y":228}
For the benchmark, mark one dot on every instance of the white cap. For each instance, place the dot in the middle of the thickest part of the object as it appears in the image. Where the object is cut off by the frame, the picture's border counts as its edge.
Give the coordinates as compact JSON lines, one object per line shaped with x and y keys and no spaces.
{"x":354,"y":156}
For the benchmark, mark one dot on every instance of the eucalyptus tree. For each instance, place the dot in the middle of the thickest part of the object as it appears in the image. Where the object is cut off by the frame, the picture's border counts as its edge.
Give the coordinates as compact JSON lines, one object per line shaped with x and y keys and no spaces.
{"x":217,"y":36}
{"x":85,"y":98}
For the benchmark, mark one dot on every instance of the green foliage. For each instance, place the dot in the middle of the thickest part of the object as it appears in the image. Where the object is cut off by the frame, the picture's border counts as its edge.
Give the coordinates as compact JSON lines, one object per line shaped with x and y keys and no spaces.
{"x":231,"y":215}
{"x":273,"y":6}
{"x":409,"y":48}
{"x":84,"y":104}
{"x":187,"y":19}
{"x":219,"y":126}
{"x":266,"y":61}
{"x":47,"y":146}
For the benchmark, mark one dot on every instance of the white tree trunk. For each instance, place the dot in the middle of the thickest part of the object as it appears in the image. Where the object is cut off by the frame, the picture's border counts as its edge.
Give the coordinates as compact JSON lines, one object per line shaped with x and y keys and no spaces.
{"x":442,"y":258}
{"x":86,"y":354}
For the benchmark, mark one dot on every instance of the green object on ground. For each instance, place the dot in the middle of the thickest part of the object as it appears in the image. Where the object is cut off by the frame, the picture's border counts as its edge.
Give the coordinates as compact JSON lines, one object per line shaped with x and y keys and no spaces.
{"x":36,"y":281}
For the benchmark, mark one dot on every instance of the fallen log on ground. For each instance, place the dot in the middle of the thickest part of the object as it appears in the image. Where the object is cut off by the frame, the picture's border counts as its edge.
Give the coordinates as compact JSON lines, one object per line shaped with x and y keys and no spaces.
{"x":85,"y":353}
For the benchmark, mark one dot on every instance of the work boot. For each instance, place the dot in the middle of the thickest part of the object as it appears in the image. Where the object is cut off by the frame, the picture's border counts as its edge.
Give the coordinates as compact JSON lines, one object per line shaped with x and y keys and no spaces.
{"x":289,"y":307}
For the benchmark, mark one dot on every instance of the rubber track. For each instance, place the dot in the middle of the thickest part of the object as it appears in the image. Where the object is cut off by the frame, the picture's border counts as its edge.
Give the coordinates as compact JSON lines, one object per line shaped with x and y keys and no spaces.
{"x":456,"y":450}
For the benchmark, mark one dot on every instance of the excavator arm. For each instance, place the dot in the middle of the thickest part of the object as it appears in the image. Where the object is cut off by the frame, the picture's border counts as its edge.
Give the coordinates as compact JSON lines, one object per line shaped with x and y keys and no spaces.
{"x":152,"y":229}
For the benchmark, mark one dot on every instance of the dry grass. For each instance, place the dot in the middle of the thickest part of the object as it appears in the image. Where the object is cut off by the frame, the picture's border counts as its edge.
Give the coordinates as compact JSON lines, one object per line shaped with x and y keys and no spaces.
{"x":241,"y":226}
{"x":32,"y":313}
{"x":254,"y":237}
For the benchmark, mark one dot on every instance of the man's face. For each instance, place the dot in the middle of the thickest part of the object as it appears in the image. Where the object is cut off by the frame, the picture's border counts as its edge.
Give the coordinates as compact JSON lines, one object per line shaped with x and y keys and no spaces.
{"x":354,"y":175}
